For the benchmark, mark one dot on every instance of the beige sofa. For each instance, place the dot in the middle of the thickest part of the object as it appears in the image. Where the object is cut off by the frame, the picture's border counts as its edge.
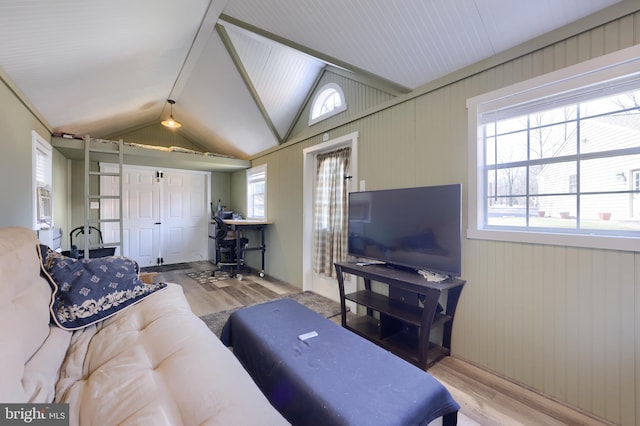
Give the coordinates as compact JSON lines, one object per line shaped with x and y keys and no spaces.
{"x":154,"y":362}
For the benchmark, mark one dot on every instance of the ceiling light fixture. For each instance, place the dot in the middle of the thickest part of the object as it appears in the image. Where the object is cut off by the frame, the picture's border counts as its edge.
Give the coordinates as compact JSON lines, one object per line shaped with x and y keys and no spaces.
{"x":171,"y":122}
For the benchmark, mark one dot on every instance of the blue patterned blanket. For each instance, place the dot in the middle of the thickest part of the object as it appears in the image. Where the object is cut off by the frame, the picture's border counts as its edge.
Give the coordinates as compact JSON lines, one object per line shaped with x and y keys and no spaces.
{"x":86,"y":291}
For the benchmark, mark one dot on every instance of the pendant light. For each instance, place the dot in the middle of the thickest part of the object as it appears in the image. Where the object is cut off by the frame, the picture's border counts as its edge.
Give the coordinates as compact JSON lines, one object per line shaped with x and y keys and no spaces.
{"x":171,"y":122}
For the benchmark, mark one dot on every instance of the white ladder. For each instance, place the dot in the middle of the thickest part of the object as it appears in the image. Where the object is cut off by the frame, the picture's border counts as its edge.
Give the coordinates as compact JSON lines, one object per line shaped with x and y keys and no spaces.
{"x":92,"y":193}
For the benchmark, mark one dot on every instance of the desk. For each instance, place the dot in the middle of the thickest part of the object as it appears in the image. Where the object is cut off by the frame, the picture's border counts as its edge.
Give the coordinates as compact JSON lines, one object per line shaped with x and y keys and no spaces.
{"x":240,"y":225}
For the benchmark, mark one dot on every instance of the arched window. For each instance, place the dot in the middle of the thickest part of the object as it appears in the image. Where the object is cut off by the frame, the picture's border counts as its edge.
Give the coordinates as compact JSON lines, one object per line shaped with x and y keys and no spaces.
{"x":329,"y":101}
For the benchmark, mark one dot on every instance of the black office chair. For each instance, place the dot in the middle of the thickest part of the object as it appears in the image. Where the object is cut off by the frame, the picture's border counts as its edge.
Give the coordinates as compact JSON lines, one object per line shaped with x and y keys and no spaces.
{"x":226,"y":248}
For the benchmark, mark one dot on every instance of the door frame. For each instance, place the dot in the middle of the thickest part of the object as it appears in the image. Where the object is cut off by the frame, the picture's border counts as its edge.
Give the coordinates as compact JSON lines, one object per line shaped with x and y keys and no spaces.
{"x":309,"y":168}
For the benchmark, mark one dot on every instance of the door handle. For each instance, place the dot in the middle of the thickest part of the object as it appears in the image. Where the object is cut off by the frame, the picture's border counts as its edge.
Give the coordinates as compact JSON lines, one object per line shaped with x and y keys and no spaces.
{"x":158,"y":223}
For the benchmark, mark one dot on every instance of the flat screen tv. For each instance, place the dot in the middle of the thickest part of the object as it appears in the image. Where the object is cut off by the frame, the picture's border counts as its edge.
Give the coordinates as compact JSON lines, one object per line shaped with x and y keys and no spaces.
{"x":415,"y":228}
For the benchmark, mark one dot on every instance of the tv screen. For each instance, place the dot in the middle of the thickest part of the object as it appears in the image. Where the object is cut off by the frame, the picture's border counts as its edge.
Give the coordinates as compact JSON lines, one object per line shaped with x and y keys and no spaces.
{"x":416,"y":228}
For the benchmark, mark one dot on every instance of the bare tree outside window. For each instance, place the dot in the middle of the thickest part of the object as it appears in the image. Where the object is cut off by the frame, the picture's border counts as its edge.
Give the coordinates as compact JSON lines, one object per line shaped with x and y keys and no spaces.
{"x":563,"y":163}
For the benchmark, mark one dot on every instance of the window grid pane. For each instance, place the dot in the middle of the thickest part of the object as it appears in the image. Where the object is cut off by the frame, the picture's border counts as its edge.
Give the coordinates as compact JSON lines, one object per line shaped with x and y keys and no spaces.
{"x":256,"y":192}
{"x":554,"y":169}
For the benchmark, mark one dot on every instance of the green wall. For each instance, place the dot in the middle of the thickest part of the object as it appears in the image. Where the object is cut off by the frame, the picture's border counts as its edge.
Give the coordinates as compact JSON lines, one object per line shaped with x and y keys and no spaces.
{"x":221,"y":190}
{"x":16,"y":125}
{"x":560,"y":320}
{"x":157,"y":135}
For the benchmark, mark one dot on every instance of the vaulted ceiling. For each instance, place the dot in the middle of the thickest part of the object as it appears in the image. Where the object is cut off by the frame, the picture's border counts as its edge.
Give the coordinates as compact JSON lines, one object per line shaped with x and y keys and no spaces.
{"x":240,"y":71}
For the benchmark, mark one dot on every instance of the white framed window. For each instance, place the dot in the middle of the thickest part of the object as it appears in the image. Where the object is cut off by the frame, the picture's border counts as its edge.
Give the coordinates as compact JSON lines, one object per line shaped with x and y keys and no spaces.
{"x":551,"y":160}
{"x":257,"y":192}
{"x":42,"y":170}
{"x":327,"y":102}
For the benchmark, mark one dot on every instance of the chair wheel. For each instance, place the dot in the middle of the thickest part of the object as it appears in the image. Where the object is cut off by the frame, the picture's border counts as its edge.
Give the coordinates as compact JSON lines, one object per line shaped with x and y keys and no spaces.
{"x":261,"y":274}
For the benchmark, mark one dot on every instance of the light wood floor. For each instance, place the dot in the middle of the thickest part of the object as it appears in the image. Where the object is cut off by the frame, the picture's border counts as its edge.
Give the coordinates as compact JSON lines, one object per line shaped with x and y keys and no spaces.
{"x":229,"y":294}
{"x":485,"y":399}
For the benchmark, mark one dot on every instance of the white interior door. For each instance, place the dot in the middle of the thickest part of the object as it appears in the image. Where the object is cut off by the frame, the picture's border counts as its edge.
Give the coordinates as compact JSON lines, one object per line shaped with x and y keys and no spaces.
{"x":141,"y":216}
{"x":164,"y":216}
{"x":185,"y":217}
{"x":141,"y":212}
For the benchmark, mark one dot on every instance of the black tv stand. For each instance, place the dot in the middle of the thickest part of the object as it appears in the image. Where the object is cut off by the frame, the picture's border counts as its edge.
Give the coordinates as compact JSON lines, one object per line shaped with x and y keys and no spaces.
{"x":366,"y":262}
{"x":405,"y":317}
{"x":369,"y":263}
{"x":402,"y":268}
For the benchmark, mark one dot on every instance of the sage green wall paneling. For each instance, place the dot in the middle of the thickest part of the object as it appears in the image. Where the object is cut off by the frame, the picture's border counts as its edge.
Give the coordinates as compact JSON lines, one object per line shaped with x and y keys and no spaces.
{"x":221,"y":190}
{"x":387,"y":147}
{"x":558,"y":319}
{"x":564,"y":321}
{"x":158,"y":135}
{"x":238,"y":194}
{"x":76,"y":208}
{"x":287,"y":205}
{"x":440,"y":138}
{"x":16,"y":187}
{"x":359,"y":98}
{"x":61,"y":195}
{"x":284,"y":206}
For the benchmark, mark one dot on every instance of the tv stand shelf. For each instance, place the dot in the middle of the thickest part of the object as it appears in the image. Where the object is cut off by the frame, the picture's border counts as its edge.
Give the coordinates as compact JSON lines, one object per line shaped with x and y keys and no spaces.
{"x":394,"y":308}
{"x":404,"y":326}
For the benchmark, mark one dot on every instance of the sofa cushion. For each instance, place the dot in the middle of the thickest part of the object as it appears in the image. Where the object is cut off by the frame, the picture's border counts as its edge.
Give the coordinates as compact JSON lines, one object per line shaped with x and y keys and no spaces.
{"x":86,"y":291}
{"x":41,"y":371}
{"x":157,"y":363}
{"x":24,"y":311}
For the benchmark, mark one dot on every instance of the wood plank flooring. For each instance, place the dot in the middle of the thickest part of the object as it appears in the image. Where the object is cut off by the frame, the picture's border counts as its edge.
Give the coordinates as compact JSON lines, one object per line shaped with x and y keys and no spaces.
{"x":485,"y":399}
{"x":227,"y":294}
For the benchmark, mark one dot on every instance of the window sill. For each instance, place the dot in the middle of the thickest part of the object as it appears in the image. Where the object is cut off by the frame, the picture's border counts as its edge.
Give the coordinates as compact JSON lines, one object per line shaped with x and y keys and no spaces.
{"x":568,"y":240}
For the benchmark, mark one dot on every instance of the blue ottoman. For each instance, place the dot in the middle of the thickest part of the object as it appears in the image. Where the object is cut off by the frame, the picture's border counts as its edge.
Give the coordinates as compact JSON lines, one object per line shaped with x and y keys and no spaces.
{"x":334,"y":378}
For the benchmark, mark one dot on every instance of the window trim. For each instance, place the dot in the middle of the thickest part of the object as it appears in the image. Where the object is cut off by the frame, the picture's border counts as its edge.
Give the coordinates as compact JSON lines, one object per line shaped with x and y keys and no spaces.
{"x":316,"y":100}
{"x":610,"y":67}
{"x":262,"y":169}
{"x":38,"y":143}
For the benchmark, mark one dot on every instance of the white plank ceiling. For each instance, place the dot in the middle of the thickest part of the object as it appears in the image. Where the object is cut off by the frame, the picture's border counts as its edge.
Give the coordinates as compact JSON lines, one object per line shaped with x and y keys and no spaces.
{"x":240,"y":70}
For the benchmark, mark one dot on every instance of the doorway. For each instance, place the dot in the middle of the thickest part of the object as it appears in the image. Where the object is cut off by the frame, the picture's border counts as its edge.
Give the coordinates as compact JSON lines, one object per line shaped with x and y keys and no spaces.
{"x":321,"y":283}
{"x":165,"y":214}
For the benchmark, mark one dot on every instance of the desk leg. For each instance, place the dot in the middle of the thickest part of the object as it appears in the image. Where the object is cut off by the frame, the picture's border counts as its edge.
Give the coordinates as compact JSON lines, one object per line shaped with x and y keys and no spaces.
{"x":238,"y":250}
